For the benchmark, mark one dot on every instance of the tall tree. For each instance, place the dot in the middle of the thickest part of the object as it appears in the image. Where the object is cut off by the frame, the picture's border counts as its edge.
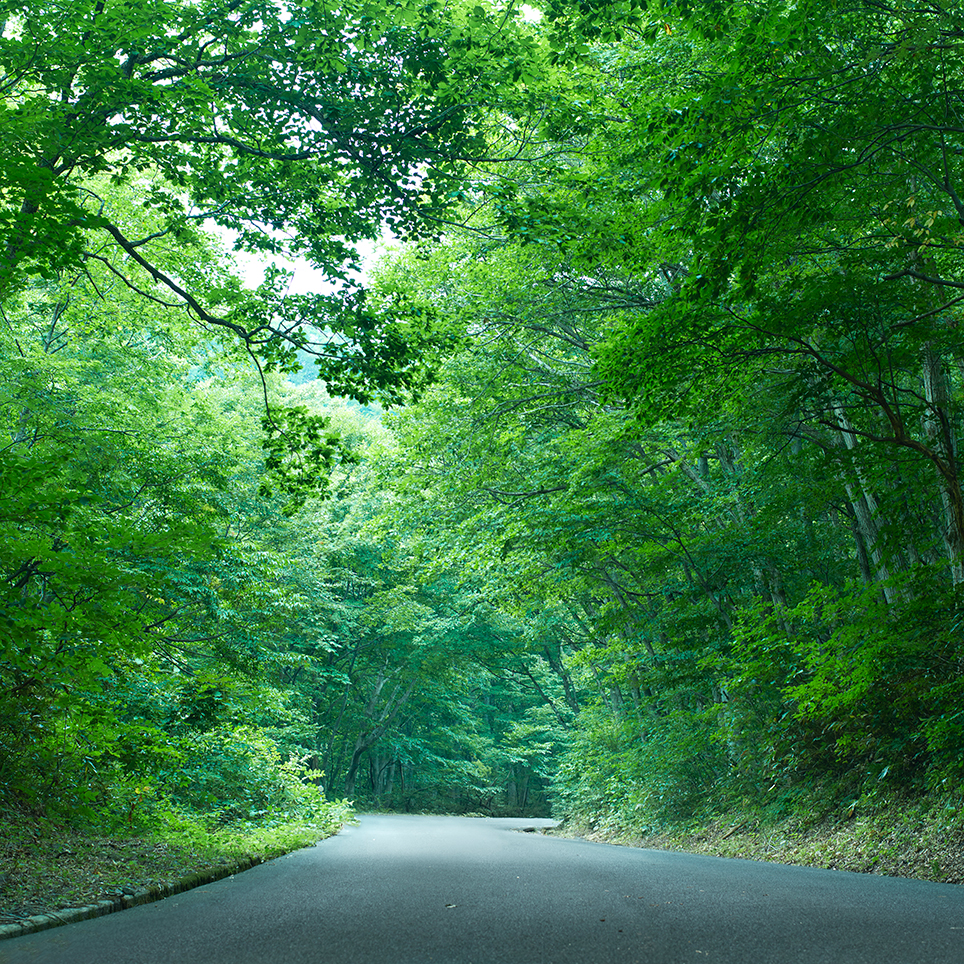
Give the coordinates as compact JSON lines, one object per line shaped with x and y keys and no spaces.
{"x":301,"y":127}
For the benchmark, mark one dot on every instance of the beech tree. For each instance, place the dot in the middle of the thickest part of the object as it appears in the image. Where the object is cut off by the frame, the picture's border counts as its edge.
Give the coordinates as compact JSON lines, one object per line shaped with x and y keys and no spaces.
{"x":816,"y":186}
{"x":744,"y":470}
{"x":302,"y":127}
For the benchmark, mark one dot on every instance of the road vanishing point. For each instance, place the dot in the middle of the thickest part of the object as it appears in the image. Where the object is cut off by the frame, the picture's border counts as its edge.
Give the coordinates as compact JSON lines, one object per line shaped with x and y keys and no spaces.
{"x":463,"y":890}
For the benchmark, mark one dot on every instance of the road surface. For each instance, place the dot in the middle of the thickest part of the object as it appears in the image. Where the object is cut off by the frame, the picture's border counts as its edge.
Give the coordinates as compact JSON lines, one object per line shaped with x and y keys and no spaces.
{"x":458,"y":890}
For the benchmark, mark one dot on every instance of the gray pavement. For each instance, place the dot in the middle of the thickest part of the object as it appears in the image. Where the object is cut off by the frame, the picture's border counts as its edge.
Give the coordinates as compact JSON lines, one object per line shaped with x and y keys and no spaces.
{"x":457,"y":890}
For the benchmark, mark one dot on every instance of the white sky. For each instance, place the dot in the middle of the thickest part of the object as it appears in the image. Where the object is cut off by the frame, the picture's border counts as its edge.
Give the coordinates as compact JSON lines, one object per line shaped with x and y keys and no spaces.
{"x":306,"y":280}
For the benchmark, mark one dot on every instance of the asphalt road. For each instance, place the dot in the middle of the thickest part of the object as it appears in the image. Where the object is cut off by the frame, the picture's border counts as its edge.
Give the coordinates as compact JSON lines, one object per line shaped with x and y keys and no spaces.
{"x":456,"y":890}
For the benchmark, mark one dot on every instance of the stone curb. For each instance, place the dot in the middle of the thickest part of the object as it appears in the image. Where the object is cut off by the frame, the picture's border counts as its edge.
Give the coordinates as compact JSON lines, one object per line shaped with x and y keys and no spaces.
{"x":145,"y":895}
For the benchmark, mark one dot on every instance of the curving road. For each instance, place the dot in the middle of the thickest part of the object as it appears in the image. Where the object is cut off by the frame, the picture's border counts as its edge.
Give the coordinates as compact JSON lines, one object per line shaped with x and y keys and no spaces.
{"x":456,"y":890}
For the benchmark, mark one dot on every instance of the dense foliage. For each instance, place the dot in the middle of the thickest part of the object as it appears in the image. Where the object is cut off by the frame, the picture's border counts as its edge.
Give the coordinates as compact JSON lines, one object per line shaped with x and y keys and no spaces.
{"x":192,"y":623}
{"x":709,"y":398}
{"x":667,"y":516}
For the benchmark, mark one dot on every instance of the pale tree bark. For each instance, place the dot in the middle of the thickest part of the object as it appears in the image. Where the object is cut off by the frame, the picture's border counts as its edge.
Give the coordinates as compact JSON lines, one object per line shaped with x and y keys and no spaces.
{"x":381,"y":721}
{"x":864,"y":504}
{"x":939,"y":431}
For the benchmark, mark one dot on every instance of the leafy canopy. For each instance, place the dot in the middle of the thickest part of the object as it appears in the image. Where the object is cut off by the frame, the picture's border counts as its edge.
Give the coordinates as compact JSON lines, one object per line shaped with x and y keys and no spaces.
{"x":302,"y":127}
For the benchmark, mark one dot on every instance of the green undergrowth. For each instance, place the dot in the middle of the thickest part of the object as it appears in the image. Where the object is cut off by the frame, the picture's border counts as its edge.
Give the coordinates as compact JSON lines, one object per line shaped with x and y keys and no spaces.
{"x":922,"y":838}
{"x":47,"y":866}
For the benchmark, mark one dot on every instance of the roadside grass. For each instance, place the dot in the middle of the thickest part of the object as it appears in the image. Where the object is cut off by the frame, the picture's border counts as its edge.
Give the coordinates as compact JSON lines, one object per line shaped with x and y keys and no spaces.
{"x":47,"y":867}
{"x":921,"y":839}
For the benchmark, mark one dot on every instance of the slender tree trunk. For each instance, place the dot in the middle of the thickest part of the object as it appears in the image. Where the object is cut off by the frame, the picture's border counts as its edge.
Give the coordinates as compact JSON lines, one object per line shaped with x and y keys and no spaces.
{"x":864,"y":505}
{"x":939,"y":431}
{"x":367,"y":739}
{"x":554,"y":659}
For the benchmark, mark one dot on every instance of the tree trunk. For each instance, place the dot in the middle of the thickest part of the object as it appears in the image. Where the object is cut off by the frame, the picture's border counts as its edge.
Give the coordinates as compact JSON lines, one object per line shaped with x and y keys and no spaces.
{"x":864,"y":505}
{"x":370,"y":737}
{"x":939,"y":431}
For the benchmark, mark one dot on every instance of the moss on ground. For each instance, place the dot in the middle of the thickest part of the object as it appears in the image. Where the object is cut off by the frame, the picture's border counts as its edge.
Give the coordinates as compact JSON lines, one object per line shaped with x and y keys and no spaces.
{"x":918,"y":839}
{"x":45,"y":868}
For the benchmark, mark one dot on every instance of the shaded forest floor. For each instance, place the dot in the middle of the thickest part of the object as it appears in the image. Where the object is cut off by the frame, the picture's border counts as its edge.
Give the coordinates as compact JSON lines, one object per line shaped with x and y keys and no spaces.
{"x":44,"y":870}
{"x":919,"y":840}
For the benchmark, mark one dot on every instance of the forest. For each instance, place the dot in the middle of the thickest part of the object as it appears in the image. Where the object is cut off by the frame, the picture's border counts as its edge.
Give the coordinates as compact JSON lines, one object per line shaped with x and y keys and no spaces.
{"x":611,"y":472}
